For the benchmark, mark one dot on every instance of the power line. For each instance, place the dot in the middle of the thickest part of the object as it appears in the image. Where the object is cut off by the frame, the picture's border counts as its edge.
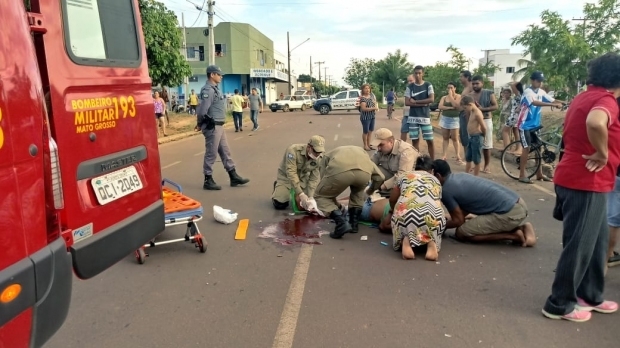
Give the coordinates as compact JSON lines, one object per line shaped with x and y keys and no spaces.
{"x":199,"y":9}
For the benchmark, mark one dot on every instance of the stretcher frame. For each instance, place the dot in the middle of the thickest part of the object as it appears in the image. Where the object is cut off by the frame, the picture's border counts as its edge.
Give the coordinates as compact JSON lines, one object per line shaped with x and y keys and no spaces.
{"x":185,"y":217}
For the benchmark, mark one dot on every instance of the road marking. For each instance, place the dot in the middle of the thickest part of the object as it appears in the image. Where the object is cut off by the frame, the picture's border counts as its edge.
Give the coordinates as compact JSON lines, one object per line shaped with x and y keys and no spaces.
{"x":171,"y":164}
{"x":549,"y":192}
{"x":336,"y":137}
{"x":199,"y":154}
{"x":288,"y":321}
{"x":338,"y":125}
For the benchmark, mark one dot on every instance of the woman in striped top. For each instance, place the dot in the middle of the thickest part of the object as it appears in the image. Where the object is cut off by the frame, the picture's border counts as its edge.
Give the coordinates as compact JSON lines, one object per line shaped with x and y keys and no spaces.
{"x":368,"y":108}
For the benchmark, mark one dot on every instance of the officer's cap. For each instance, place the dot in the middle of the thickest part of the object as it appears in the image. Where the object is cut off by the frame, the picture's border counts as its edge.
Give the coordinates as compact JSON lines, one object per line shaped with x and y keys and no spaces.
{"x":318,"y":143}
{"x":380,"y":135}
{"x":214,"y":69}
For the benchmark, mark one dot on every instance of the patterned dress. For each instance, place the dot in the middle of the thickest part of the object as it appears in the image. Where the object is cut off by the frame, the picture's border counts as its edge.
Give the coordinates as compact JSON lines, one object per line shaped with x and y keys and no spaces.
{"x":418,"y":213}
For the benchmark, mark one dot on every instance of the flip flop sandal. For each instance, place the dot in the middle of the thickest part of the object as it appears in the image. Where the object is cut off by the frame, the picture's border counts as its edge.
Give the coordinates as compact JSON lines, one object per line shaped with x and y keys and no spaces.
{"x":525,"y":181}
{"x":545,"y":179}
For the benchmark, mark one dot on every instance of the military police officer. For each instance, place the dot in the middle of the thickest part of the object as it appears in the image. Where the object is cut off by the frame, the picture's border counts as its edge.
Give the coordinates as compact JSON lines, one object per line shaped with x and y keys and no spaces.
{"x":393,"y":157}
{"x":211,"y":116}
{"x":298,"y":172}
{"x":341,"y":168}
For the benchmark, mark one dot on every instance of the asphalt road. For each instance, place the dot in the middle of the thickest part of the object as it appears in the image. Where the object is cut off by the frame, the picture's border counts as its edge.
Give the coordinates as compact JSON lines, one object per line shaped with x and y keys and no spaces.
{"x":341,"y":293}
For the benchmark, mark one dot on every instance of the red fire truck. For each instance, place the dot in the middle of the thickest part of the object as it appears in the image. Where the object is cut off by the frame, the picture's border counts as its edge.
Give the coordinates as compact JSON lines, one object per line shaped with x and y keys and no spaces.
{"x":80,"y":175}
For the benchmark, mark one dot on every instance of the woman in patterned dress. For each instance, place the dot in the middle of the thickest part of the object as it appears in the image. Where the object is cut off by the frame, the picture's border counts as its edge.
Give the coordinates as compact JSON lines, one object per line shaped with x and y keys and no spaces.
{"x":417,"y":214}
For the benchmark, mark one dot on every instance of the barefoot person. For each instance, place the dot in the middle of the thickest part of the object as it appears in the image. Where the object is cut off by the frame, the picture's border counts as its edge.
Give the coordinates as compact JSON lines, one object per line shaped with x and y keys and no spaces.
{"x":477,"y":131}
{"x":417,"y":216}
{"x":499,"y":213}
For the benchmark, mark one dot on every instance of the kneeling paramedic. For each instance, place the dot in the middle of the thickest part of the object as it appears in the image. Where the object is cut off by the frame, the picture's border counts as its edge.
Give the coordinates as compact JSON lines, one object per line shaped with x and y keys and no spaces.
{"x":210,"y":117}
{"x":298,"y":174}
{"x":341,"y":168}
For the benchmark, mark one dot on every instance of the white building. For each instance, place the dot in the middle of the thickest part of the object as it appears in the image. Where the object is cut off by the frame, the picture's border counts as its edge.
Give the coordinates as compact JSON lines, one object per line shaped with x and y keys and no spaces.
{"x":508,"y":63}
{"x":281,"y":63}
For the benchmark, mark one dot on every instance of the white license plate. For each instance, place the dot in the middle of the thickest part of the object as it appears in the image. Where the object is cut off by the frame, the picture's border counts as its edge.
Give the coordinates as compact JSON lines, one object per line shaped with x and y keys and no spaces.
{"x":115,"y":185}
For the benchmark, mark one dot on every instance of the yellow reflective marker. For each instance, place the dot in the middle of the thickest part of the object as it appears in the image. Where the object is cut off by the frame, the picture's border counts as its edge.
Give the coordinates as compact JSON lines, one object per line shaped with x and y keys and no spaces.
{"x":242,"y":229}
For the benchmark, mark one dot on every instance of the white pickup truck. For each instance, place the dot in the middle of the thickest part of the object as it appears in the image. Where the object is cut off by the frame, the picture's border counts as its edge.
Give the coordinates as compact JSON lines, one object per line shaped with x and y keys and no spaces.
{"x":288,"y":103}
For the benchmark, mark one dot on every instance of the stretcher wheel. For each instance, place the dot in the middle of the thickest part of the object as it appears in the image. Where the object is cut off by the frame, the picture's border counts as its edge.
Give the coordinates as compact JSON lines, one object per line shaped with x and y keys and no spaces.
{"x":200,"y":244}
{"x":140,"y":255}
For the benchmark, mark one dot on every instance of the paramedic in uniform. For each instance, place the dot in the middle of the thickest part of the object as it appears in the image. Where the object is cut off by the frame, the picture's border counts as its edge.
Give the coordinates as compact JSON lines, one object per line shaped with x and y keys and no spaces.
{"x":393,"y":157}
{"x":211,"y":116}
{"x":299,"y":171}
{"x":341,"y":168}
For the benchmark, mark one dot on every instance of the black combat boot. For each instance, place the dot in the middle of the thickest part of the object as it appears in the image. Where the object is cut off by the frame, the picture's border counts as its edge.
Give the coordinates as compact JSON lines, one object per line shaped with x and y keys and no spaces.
{"x":210,"y":184}
{"x":354,"y":216}
{"x":342,"y":226}
{"x":235,"y":179}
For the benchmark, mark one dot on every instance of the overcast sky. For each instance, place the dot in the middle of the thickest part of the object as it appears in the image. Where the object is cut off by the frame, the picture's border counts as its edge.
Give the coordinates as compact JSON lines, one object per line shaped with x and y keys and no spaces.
{"x":344,"y":29}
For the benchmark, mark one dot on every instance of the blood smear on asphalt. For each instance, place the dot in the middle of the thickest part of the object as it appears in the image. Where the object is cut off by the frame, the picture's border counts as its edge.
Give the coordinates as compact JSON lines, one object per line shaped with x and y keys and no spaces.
{"x":305,"y":230}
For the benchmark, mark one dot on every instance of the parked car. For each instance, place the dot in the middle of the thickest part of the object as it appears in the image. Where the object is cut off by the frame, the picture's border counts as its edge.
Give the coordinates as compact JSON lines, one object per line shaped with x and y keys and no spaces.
{"x":288,"y":103}
{"x":345,"y":100}
{"x":309,"y":100}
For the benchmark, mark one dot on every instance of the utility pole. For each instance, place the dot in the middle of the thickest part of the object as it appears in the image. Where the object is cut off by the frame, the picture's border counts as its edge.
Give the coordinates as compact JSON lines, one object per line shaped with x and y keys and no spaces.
{"x":584,"y":20}
{"x":325,"y":75}
{"x":319,"y":63}
{"x":288,"y":50}
{"x":185,"y":94}
{"x":210,"y":12}
{"x":310,"y":70}
{"x":486,"y":54}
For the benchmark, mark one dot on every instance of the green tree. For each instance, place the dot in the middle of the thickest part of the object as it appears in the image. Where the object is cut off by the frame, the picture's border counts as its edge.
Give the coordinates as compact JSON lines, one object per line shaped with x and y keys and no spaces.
{"x":305,"y":78}
{"x":440,"y":75}
{"x":359,"y":71}
{"x":167,"y":66}
{"x":392,"y":70}
{"x":458,"y":60}
{"x":602,"y":29}
{"x":562,"y":51}
{"x":487,"y":70}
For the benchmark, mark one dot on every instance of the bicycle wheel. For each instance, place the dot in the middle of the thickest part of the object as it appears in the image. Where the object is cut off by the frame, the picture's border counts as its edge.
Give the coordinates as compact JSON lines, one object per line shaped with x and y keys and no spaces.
{"x":511,"y":163}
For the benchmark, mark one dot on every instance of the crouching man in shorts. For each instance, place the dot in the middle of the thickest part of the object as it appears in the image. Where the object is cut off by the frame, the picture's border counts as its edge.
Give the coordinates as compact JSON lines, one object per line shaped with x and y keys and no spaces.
{"x":498,"y":212}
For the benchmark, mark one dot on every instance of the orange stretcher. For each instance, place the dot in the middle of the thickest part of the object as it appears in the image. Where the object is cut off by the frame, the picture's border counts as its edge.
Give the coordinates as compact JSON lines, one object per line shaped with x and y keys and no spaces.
{"x":179,"y":210}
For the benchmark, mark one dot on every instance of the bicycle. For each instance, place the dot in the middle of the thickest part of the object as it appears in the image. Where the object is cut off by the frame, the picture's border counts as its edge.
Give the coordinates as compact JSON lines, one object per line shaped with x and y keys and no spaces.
{"x":539,"y":153}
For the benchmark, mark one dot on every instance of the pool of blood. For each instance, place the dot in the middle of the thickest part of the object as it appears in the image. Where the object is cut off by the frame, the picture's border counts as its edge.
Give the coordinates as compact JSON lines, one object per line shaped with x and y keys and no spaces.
{"x":290,"y":231}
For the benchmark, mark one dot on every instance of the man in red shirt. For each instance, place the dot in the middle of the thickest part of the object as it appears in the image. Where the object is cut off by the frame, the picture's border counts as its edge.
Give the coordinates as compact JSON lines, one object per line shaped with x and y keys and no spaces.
{"x":582,"y":180}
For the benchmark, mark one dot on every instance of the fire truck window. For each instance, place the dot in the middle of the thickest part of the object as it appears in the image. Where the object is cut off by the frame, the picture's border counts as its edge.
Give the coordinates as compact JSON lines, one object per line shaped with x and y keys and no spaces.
{"x":101,"y":32}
